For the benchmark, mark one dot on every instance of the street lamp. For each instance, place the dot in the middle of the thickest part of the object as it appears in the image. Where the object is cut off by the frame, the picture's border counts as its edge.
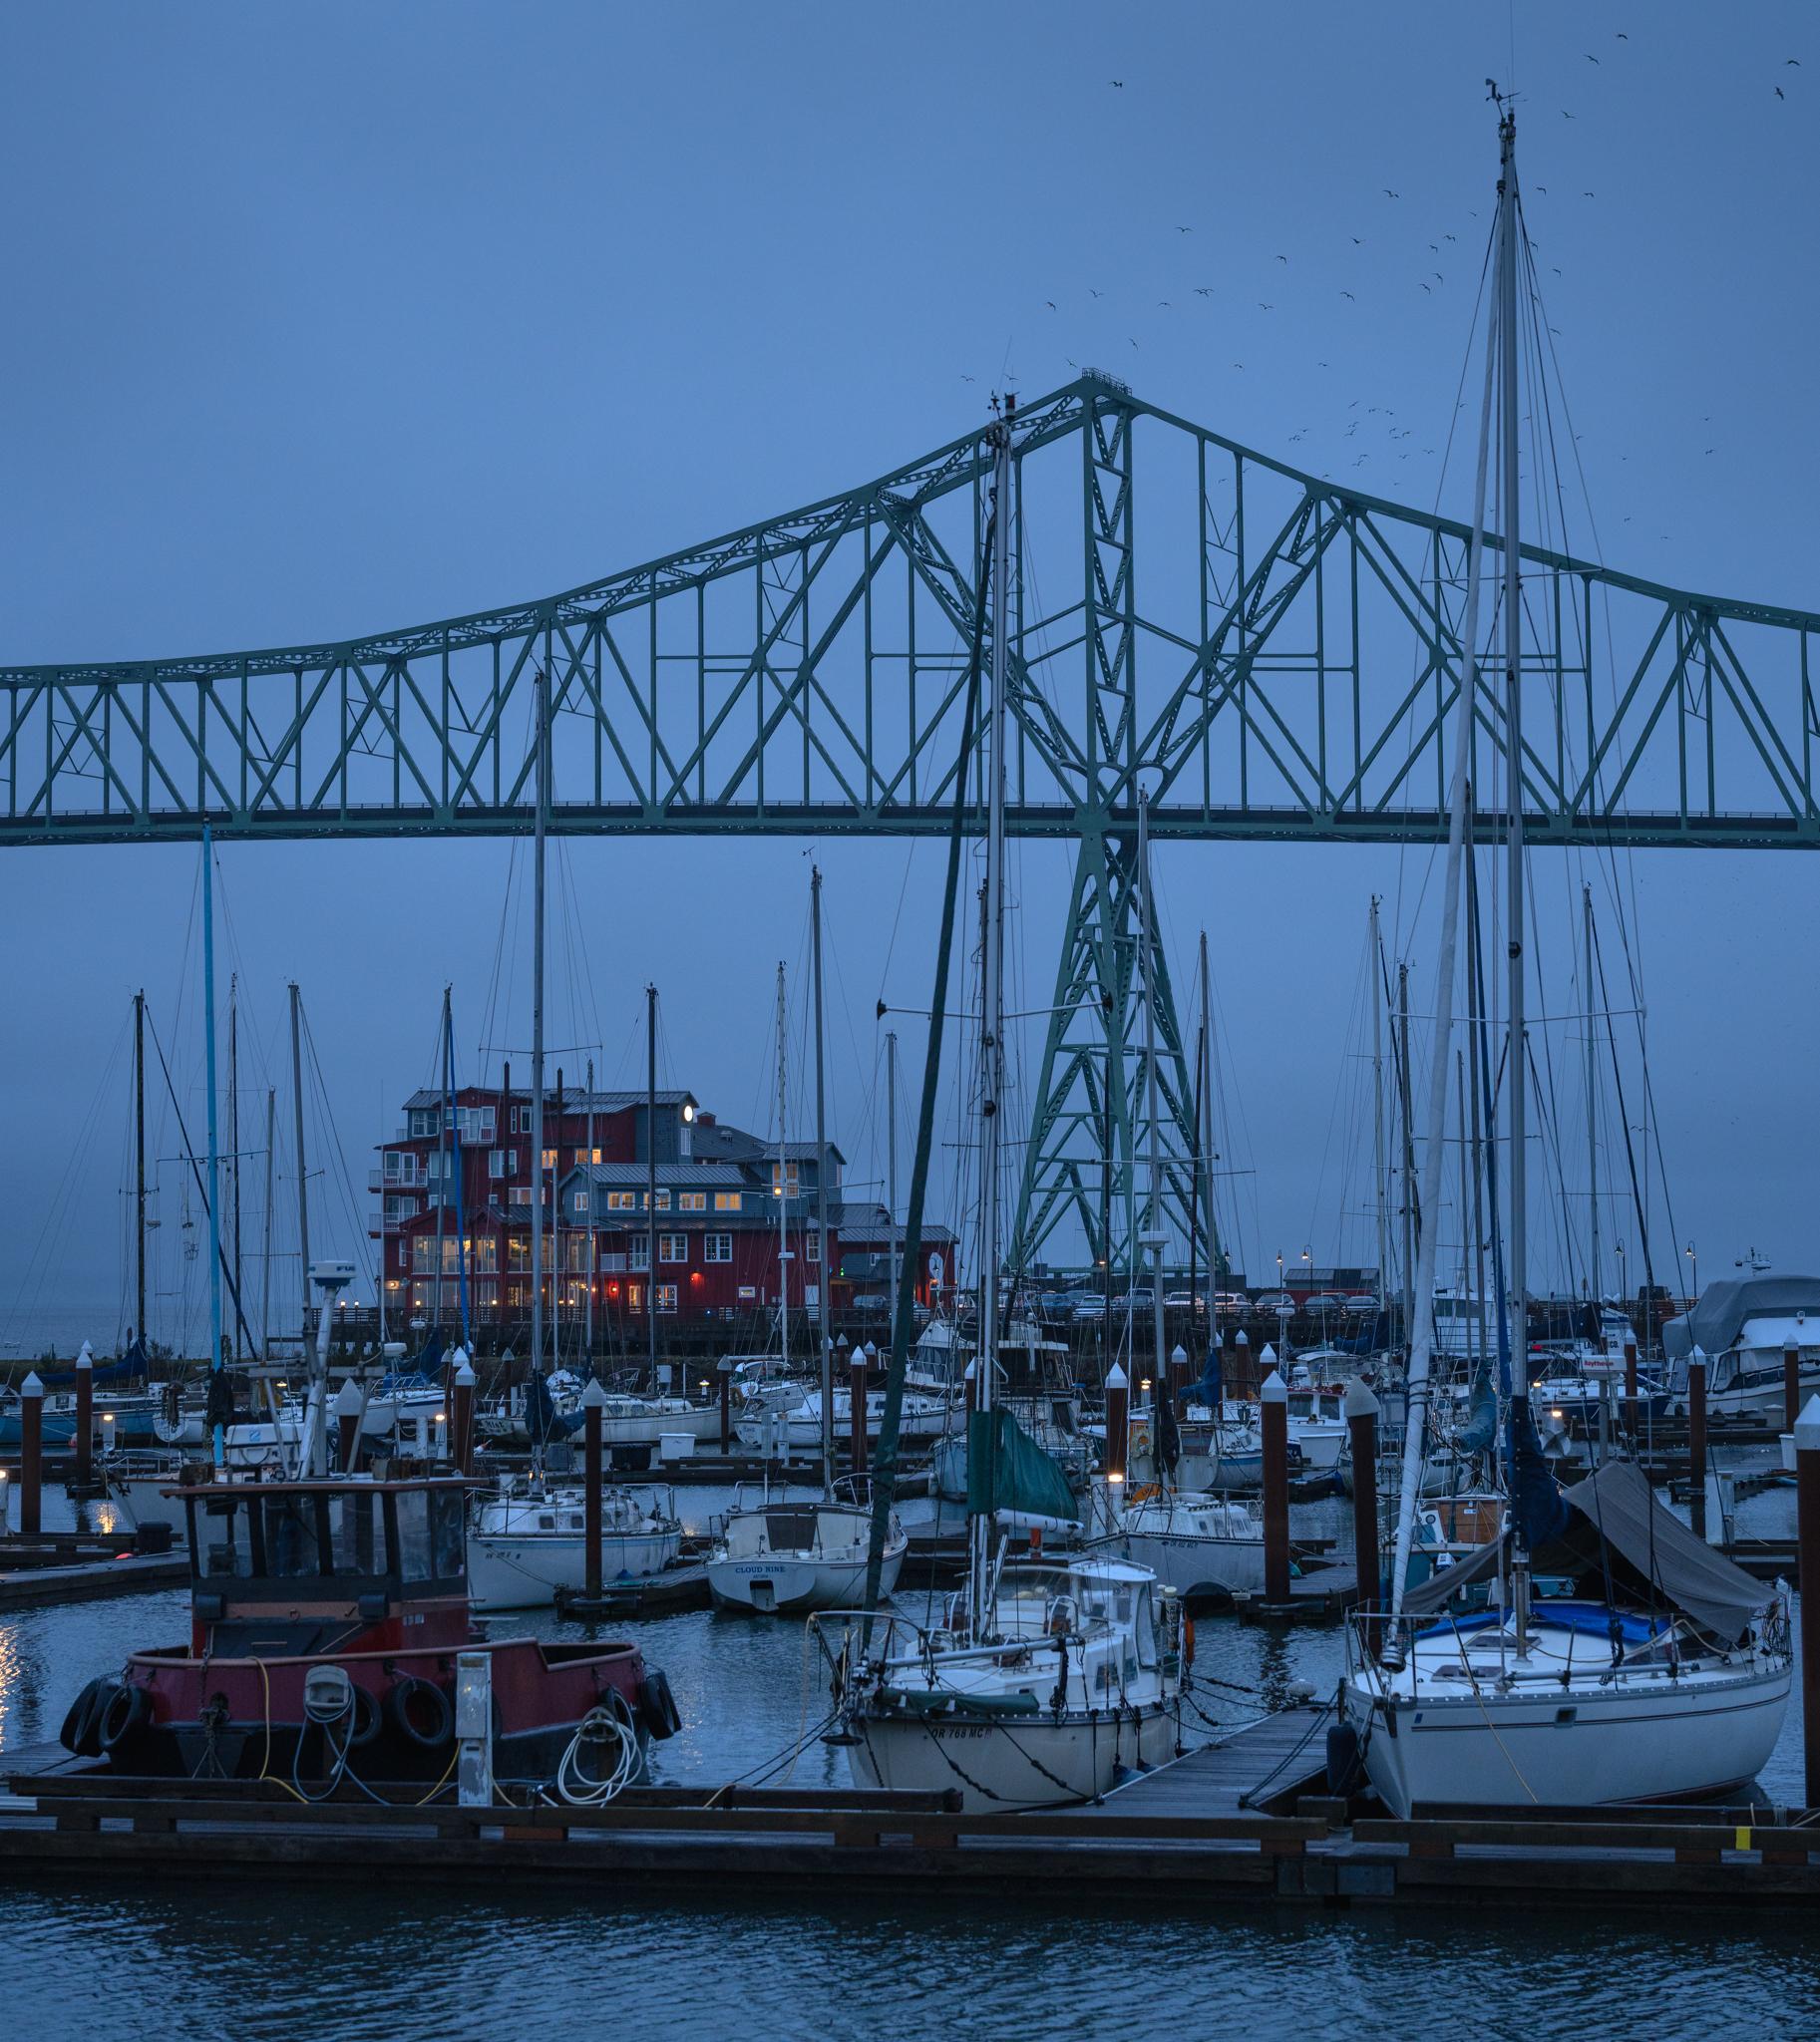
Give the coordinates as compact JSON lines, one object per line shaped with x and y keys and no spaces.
{"x":1696,"y":1260}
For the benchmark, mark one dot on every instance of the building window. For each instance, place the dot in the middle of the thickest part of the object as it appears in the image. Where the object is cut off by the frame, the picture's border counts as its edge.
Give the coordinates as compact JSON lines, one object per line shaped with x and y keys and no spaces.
{"x":673,"y":1247}
{"x":812,"y":1247}
{"x":664,"y":1200}
{"x":639,"y":1255}
{"x":425,"y":1121}
{"x":394,"y":1157}
{"x":575,"y":1251}
{"x":728,"y":1201}
{"x":520,"y":1194}
{"x":520,"y":1119}
{"x":483,"y":1255}
{"x":404,"y":1255}
{"x":666,"y":1297}
{"x":477,"y":1124}
{"x":518,"y":1253}
{"x":691,"y":1201}
{"x":634,"y":1297}
{"x":578,"y":1204}
{"x":549,"y":1159}
{"x":790,"y":1182}
{"x":499,"y":1162}
{"x":717,"y":1247}
{"x":584,"y":1156}
{"x":622,"y":1201}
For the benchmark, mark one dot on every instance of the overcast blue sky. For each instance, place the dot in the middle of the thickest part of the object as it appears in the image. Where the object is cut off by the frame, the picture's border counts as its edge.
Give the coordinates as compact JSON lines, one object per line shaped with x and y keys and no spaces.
{"x":329,"y":319}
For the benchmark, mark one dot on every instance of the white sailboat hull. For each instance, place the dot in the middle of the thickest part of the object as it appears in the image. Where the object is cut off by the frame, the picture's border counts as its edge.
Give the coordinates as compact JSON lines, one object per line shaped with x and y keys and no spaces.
{"x":1031,"y":1762}
{"x":1195,"y":1566}
{"x":772,"y":1582}
{"x":1649,"y":1739}
{"x":523,"y":1570}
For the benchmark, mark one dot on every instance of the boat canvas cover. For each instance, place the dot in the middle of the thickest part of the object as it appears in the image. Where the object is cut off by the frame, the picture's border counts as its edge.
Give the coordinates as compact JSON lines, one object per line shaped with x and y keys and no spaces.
{"x":1613,"y":1516}
{"x":1008,"y":1471}
{"x":1718,"y":1314}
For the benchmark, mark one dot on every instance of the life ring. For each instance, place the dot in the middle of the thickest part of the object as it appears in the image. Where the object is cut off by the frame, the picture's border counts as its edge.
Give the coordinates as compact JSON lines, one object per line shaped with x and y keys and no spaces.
{"x":127,"y":1711}
{"x":420,"y":1712}
{"x":657,"y":1709}
{"x":83,"y":1719}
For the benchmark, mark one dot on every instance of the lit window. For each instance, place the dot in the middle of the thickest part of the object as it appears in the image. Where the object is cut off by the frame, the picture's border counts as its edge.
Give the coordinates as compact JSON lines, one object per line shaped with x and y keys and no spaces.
{"x":691,"y":1201}
{"x":663,"y":1201}
{"x":790,"y":1182}
{"x":727,"y":1202}
{"x":717,"y":1247}
{"x":579,"y":1202}
{"x":549,"y":1159}
{"x":673,"y":1247}
{"x":666,"y":1297}
{"x":622,"y":1201}
{"x":634,"y":1297}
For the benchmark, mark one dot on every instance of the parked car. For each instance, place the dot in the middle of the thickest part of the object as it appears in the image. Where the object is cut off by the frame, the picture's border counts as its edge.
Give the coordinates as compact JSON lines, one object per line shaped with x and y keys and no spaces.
{"x":1362,"y":1301}
{"x":1089,"y":1307}
{"x":1184,"y":1301}
{"x":1324,"y":1302}
{"x":872,"y":1304}
{"x":1277,"y":1301}
{"x":1231,"y":1304}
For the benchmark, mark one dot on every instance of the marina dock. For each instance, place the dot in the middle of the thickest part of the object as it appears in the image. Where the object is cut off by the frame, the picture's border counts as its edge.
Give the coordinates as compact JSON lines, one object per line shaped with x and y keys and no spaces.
{"x":1198,"y":1829}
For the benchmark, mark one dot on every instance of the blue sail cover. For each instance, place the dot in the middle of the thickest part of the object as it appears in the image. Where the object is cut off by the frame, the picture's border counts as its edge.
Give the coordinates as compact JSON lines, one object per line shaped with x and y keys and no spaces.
{"x":1537,"y":1508}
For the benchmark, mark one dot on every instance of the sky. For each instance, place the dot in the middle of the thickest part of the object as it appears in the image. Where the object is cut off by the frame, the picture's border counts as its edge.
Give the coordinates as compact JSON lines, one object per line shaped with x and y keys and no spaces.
{"x":332,"y":319}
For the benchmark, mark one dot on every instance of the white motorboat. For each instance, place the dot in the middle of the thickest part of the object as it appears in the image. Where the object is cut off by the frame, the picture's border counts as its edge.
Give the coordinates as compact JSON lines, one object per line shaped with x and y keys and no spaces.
{"x":1201,"y":1545}
{"x":523,"y":1545}
{"x":140,"y":1479}
{"x":1074,"y":1681}
{"x":1742,"y":1329}
{"x":785,"y":1556}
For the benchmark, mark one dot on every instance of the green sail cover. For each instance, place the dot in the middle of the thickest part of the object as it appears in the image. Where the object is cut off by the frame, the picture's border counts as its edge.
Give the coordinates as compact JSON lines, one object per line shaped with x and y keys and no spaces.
{"x":1008,"y":1471}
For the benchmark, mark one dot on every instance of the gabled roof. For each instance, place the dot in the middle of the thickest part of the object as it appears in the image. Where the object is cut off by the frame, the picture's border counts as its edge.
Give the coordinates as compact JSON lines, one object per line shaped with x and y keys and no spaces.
{"x":718,"y":1139}
{"x":866,"y":1225}
{"x":573,"y":1101}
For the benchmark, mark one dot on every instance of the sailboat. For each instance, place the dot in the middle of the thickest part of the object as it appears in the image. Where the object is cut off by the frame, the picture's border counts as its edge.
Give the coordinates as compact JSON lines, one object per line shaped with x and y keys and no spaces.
{"x":1042,"y":1681}
{"x":776,"y":1558}
{"x":1666,"y":1673}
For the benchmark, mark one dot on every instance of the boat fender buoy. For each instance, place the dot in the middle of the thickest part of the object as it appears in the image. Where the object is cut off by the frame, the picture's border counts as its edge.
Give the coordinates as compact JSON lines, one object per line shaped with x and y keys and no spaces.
{"x":78,"y":1734}
{"x":1345,"y":1760}
{"x":368,"y":1720}
{"x":126,"y":1713}
{"x":420,"y":1712}
{"x":1188,"y":1639}
{"x":657,"y":1708}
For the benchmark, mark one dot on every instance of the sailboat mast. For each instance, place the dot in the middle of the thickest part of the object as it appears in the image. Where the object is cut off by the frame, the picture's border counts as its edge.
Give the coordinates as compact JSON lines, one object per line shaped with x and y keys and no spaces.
{"x":451,"y":1169}
{"x":651,"y":1181}
{"x":1204,"y":1124}
{"x":1153,"y":1217}
{"x":441,"y":1161}
{"x":592,"y":1158}
{"x":891,"y":1167}
{"x":538,"y":862}
{"x":821,"y":1188}
{"x":1404,"y":1080}
{"x":1380,"y":1183}
{"x":139,"y":1156}
{"x":215,"y":1160}
{"x":271,"y":1130}
{"x":1513,"y":779}
{"x":303,"y":1179}
{"x":991,"y":1038}
{"x":233,"y":1139}
{"x":1592,"y":1109}
{"x":783,"y":1175}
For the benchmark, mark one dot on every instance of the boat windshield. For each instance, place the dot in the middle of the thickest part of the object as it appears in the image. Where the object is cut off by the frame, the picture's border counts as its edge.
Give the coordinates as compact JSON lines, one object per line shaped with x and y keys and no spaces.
{"x":1055,"y":1601}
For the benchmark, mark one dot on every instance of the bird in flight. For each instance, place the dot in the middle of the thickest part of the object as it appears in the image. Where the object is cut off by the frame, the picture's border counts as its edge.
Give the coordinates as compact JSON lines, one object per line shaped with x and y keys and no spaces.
{"x":1434,"y":248}
{"x":1185,"y":230}
{"x":1263,"y":307}
{"x":1282,"y":258}
{"x":1204,"y":290}
{"x":1388,"y":193}
{"x":1450,"y":237}
{"x":1796,"y":62}
{"x":966,"y":378}
{"x":1165,"y":305}
{"x":1348,"y":294}
{"x":1780,"y":94}
{"x":1430,"y":293}
{"x":1357,"y":241}
{"x":1092,"y":293}
{"x":1133,"y":342}
{"x":1586,"y":195}
{"x":1622,"y":37}
{"x":1050,"y":302}
{"x":1117,"y":84}
{"x":1564,"y":114}
{"x":1590,"y":58}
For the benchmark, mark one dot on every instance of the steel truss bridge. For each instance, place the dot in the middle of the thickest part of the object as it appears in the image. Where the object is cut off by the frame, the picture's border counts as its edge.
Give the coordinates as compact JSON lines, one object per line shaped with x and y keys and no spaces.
{"x":1266,"y":654}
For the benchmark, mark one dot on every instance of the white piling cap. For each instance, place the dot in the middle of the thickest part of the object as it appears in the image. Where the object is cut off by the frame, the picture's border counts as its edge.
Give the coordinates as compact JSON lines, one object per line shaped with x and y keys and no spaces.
{"x":1117,"y":1379}
{"x":86,"y":1359}
{"x":463,"y":1370}
{"x":1242,"y":1338}
{"x":871,"y":1351}
{"x":1807,"y":1428}
{"x":1179,"y":1353}
{"x":457,"y":1356}
{"x":593,"y":1398}
{"x":347,"y":1399}
{"x":1360,"y":1403}
{"x":33,"y":1386}
{"x":1268,"y":1358}
{"x":1274,"y":1391}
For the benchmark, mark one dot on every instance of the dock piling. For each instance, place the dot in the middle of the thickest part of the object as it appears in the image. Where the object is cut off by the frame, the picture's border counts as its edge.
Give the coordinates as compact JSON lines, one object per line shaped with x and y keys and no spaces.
{"x":725,"y":1371}
{"x":1791,"y":1386}
{"x":1361,"y":1423}
{"x":1696,"y":1439}
{"x":1274,"y":1398}
{"x":1631,"y":1386}
{"x":855,"y":1407}
{"x":461,"y":1416}
{"x":31,"y":1454}
{"x":593,"y":1404}
{"x":1117,"y":1423}
{"x":1807,"y":1520}
{"x":81,"y":1441}
{"x":348,"y":1402}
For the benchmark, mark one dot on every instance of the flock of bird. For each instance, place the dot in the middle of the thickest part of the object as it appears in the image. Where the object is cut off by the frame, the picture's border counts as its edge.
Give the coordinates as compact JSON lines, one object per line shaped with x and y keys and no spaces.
{"x":1392,"y":274}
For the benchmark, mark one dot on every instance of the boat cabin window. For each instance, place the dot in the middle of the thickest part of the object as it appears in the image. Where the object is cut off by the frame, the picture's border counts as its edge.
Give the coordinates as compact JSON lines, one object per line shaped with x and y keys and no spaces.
{"x":353,"y":1544}
{"x":431,"y":1545}
{"x":220,"y":1535}
{"x":289,"y":1527}
{"x":1146,"y":1628}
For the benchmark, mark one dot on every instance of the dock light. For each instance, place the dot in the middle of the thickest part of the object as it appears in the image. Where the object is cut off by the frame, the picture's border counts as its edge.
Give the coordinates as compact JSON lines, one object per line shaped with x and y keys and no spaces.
{"x":702,"y":1386}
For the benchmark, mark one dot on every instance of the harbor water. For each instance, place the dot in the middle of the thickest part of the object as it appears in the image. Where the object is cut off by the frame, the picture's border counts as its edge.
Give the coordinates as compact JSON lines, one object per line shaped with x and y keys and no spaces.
{"x":257,"y":1960}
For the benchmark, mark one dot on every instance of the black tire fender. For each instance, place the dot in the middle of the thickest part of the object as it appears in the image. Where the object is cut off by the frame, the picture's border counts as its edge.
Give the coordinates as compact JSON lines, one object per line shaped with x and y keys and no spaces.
{"x":420,"y":1712}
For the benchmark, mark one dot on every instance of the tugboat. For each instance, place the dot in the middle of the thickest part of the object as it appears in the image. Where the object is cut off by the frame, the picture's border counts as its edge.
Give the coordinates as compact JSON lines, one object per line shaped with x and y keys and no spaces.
{"x":326,"y":1615}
